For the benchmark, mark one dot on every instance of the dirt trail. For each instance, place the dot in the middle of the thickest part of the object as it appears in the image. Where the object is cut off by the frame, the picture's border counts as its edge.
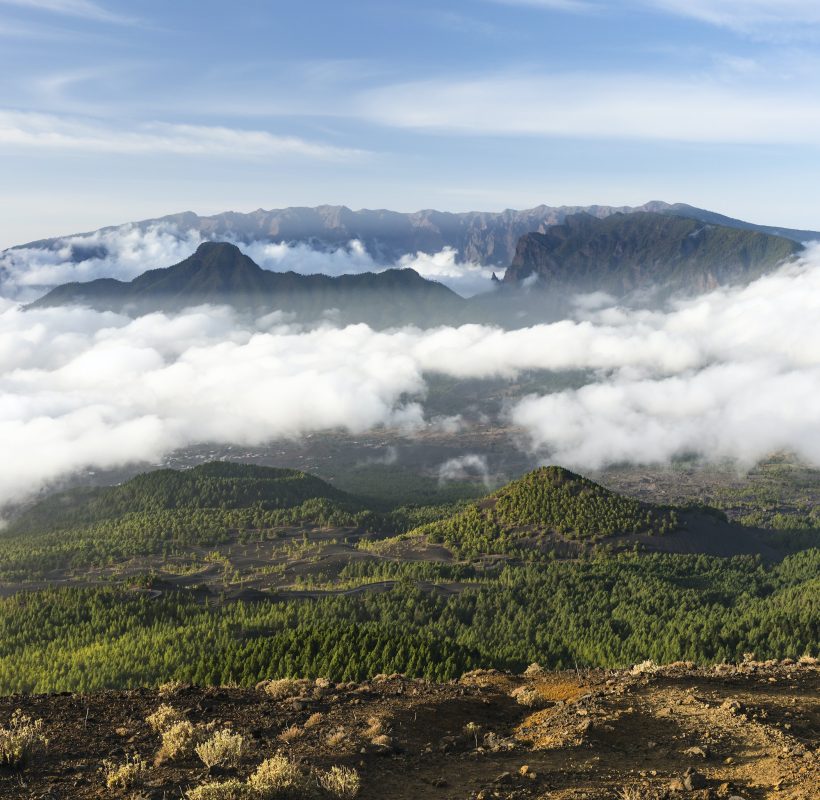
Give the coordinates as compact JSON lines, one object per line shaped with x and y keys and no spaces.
{"x":672,"y":733}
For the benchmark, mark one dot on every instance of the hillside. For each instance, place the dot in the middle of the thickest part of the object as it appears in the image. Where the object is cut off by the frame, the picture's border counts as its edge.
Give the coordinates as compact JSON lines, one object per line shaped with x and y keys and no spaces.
{"x":218,"y":484}
{"x":649,"y":733}
{"x":233,"y":573}
{"x":219,"y":273}
{"x":628,"y":252}
{"x":549,"y":502}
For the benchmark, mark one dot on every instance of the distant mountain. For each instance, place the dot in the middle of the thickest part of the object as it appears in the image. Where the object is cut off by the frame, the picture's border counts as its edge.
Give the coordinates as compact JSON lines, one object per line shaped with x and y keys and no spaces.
{"x":486,"y":238}
{"x":625,"y":252}
{"x":216,"y":484}
{"x":553,"y":509}
{"x":219,"y":273}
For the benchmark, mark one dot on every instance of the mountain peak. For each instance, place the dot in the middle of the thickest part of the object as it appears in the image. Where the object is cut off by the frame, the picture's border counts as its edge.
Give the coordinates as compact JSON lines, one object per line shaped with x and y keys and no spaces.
{"x":207,"y":248}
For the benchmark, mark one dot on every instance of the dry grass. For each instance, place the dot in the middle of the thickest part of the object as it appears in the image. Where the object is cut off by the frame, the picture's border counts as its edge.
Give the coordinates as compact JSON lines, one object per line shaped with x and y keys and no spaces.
{"x":291,"y":734}
{"x":21,"y":741}
{"x":219,"y":790}
{"x":340,"y":782}
{"x":224,"y":749}
{"x":125,"y":775}
{"x":314,"y":720}
{"x":376,"y":727}
{"x":336,"y":738}
{"x":170,"y":688}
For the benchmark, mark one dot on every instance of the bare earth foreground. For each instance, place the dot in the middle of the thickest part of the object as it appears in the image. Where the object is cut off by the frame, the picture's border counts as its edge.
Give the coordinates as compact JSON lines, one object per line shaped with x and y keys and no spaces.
{"x":748,"y":731}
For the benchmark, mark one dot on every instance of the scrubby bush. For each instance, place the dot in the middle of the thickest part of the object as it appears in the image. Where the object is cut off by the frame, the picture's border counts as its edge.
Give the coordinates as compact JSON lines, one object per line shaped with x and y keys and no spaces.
{"x":178,"y":741}
{"x":340,"y":782}
{"x":219,"y":790}
{"x":163,"y":718}
{"x":125,"y":775}
{"x":21,"y":741}
{"x":283,"y":688}
{"x":276,"y":777}
{"x":527,"y":696}
{"x":170,"y":688}
{"x":223,"y":749}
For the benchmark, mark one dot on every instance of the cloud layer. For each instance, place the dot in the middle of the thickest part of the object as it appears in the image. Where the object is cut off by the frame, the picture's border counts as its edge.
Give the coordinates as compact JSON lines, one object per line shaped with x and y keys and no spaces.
{"x":734,"y":373}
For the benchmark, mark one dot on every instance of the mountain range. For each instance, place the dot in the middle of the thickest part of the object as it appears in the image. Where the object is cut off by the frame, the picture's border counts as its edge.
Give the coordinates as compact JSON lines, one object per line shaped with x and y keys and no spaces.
{"x":487,"y":238}
{"x":620,"y":254}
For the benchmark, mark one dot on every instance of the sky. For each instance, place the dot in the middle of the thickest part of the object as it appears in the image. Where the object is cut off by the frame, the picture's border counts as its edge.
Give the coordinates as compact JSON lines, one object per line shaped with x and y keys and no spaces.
{"x":114,"y":111}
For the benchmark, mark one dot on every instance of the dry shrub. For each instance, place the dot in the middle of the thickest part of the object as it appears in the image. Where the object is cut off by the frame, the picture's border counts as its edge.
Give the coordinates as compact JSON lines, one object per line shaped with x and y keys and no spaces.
{"x":125,"y":775}
{"x":336,"y":738}
{"x":314,"y":719}
{"x":533,"y":670}
{"x":644,"y":668}
{"x":291,"y":734}
{"x":276,"y":777}
{"x":178,"y":741}
{"x":163,"y":718}
{"x":340,"y":782}
{"x":527,"y":696}
{"x":382,"y":741}
{"x":223,"y":749}
{"x":375,"y":727}
{"x":170,"y":688}
{"x":283,"y":688}
{"x":219,"y":790}
{"x":21,"y":741}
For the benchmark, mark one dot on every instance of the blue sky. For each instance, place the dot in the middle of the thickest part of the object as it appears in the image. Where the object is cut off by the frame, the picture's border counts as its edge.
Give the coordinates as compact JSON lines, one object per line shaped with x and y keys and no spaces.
{"x":112,"y":111}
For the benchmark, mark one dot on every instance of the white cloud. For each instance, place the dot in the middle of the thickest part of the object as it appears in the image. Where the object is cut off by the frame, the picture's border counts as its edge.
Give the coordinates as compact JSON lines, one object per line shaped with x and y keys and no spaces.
{"x":123,"y":253}
{"x":467,"y":468}
{"x":33,"y":130}
{"x":745,"y":15}
{"x":553,"y":5}
{"x":734,"y":373}
{"x":700,"y":108}
{"x":73,"y":8}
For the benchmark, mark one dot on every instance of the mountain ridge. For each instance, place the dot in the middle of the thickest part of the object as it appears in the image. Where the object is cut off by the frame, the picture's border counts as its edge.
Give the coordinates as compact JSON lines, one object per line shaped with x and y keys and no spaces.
{"x":219,"y":273}
{"x":487,"y":238}
{"x":626,"y":252}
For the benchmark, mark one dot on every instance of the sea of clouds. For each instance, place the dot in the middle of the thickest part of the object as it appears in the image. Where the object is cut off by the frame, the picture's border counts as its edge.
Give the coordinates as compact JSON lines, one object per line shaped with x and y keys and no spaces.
{"x":731,"y":374}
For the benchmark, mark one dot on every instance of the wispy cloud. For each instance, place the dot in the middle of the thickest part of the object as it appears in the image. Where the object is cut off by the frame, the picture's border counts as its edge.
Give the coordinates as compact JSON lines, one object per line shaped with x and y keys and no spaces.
{"x":553,"y":5}
{"x":73,"y":8}
{"x":745,"y":15}
{"x":626,"y":106}
{"x":50,"y":132}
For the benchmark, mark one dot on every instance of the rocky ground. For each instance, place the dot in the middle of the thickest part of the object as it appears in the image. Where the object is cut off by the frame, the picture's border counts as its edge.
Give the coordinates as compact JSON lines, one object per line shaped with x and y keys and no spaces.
{"x":749,"y":731}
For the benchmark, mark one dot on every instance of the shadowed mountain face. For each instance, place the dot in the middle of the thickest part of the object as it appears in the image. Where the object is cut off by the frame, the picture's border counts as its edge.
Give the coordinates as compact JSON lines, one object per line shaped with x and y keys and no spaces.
{"x":625,"y":252}
{"x":486,"y":238}
{"x":219,"y":274}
